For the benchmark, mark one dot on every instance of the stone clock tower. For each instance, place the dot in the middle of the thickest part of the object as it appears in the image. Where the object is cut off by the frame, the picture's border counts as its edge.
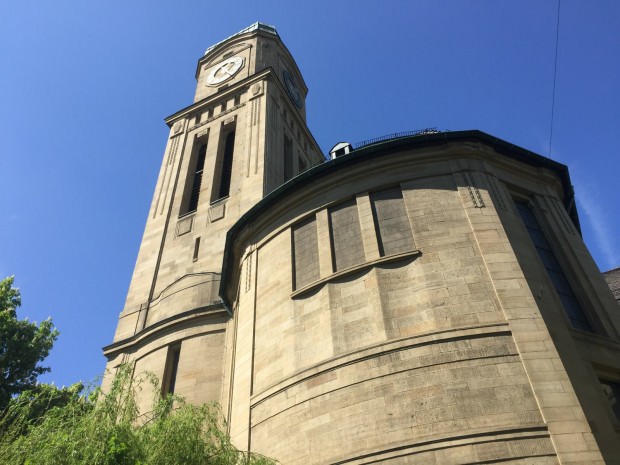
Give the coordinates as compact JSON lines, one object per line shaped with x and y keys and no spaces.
{"x":244,"y":135}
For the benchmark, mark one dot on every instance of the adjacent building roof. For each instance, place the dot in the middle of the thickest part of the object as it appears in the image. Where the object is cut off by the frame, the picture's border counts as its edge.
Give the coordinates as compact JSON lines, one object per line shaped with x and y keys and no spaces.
{"x":613,"y":281}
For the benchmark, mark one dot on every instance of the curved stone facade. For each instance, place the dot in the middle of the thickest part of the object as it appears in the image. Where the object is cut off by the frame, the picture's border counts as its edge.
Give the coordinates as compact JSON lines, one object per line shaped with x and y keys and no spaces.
{"x":425,"y":298}
{"x":431,"y":344}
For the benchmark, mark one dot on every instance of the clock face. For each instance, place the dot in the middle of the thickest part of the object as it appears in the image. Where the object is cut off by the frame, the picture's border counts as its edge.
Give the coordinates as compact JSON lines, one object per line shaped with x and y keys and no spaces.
{"x":225,"y":70}
{"x":292,"y":89}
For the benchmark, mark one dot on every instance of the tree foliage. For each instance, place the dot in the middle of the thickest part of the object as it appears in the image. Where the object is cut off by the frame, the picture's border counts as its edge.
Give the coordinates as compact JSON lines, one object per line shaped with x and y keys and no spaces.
{"x":22,"y":345}
{"x":104,"y":428}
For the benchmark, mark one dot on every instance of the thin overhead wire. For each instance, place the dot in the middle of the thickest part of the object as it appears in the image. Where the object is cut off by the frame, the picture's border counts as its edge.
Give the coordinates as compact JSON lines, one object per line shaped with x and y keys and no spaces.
{"x":555,"y":76}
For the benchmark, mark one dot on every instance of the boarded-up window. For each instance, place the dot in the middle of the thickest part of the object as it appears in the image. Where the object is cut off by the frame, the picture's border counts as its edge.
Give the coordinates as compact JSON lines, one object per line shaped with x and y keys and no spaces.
{"x":346,"y":236}
{"x":306,"y":253}
{"x":391,"y":221}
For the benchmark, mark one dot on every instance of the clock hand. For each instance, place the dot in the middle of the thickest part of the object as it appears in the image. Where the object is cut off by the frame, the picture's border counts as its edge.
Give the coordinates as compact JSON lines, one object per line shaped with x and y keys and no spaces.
{"x":227,"y":67}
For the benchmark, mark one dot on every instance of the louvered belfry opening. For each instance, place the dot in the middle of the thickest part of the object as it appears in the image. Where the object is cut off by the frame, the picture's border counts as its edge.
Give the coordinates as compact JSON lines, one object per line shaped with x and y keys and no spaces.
{"x":226,"y":173}
{"x":197,"y":181}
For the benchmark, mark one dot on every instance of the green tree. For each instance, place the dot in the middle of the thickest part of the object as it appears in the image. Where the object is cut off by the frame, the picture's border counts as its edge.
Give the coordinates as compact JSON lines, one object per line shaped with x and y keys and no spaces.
{"x":22,"y":345}
{"x":105,"y":428}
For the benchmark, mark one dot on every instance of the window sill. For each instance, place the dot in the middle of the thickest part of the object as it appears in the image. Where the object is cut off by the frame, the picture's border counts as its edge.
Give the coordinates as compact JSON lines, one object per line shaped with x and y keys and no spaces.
{"x":353,"y":269}
{"x":216,"y":202}
{"x":186,"y":214}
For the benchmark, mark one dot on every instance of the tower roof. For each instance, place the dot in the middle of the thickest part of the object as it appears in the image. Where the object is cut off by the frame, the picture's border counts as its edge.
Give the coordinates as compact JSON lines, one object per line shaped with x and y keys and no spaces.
{"x":257,"y":26}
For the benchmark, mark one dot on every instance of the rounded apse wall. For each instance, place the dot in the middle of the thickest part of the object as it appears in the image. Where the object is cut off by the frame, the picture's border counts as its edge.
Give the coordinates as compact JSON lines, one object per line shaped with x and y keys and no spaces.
{"x":374,"y":314}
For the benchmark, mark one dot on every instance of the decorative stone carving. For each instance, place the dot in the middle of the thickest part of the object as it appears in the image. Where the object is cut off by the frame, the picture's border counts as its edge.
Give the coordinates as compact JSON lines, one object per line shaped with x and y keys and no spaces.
{"x":474,"y":193}
{"x":185,"y":225}
{"x":217,"y":211}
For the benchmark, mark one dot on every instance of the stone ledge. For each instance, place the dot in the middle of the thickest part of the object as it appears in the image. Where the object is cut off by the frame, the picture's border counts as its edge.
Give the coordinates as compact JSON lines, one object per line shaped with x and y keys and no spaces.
{"x":517,"y":436}
{"x":353,"y":269}
{"x":378,"y":350}
{"x":162,"y":325}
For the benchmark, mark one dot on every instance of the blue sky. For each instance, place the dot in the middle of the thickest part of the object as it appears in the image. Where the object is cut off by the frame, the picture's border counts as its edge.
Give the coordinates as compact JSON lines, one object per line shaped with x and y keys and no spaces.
{"x":84,"y":88}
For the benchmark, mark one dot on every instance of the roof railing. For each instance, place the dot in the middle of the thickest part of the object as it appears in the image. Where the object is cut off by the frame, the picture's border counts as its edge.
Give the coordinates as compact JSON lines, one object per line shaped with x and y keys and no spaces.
{"x":396,"y":135}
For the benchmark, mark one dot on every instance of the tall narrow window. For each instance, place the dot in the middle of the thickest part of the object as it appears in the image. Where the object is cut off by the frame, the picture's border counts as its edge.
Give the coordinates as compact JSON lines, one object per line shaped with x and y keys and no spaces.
{"x":196,"y":249}
{"x":194,"y":181}
{"x":346,"y":235}
{"x":224,"y":170}
{"x":171,"y":369}
{"x":571,"y":305}
{"x":391,"y":221}
{"x":288,"y":158}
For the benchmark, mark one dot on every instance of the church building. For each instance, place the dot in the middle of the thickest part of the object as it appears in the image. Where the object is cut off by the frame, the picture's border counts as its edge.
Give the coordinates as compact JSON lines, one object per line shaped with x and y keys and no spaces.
{"x":423,"y":298}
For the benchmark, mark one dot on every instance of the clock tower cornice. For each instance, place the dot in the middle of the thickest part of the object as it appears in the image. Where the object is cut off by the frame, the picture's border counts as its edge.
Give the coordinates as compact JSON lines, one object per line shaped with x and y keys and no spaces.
{"x":222,"y":95}
{"x":244,"y":40}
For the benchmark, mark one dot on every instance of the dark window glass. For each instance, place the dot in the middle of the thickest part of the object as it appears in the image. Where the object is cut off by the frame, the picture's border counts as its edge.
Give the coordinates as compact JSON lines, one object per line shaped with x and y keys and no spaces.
{"x":196,"y":248}
{"x":571,"y":305}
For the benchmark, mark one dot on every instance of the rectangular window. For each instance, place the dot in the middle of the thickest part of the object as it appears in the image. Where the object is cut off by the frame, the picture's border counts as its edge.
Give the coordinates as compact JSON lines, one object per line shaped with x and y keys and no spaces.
{"x":221,"y":182}
{"x":194,"y":181}
{"x":391,"y":221}
{"x":305,"y":253}
{"x":196,"y":249}
{"x":571,"y":305}
{"x":346,"y":236}
{"x":171,"y":369}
